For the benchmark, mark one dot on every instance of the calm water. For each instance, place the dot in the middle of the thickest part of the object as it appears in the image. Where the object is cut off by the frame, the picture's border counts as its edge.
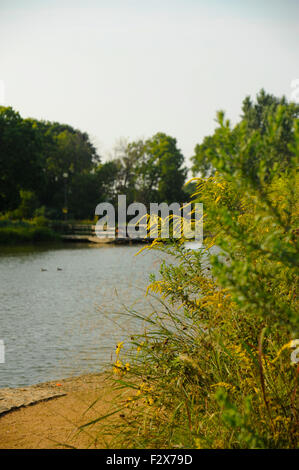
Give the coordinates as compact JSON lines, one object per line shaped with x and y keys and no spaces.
{"x":60,"y":323}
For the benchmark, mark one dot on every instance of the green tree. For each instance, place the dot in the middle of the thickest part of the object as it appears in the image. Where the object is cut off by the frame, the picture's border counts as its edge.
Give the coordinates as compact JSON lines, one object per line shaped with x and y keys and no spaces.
{"x":127,"y":161}
{"x":28,"y":205}
{"x":151,"y":170}
{"x":256,"y":119}
{"x":107,"y":176}
{"x":20,"y":158}
{"x":165,"y":166}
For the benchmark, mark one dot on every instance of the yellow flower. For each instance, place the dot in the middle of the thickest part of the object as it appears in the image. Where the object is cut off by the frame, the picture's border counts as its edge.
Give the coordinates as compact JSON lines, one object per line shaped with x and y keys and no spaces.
{"x":224,"y":385}
{"x":150,"y":401}
{"x":140,"y":346}
{"x":197,"y":443}
{"x":290,"y":344}
{"x":143,"y":388}
{"x":119,"y":346}
{"x":127,"y":366}
{"x":240,"y":353}
{"x":128,"y":401}
{"x":118,"y":367}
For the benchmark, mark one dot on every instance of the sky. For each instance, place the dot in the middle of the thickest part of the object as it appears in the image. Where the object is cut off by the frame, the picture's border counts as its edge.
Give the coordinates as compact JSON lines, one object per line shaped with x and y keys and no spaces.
{"x":128,"y":69}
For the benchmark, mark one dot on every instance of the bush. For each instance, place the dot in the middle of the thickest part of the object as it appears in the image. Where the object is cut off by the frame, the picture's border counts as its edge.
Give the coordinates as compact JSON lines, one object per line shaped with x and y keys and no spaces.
{"x":28,"y":205}
{"x":213,"y":366}
{"x":26,"y":233}
{"x":40,"y":221}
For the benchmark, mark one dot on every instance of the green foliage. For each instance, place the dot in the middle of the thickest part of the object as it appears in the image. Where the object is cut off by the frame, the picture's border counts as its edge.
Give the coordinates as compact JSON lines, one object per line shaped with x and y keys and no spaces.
{"x":24,"y":233}
{"x":256,"y":126}
{"x":170,"y":174}
{"x":253,"y":214}
{"x":212,"y":367}
{"x":151,"y":170}
{"x":203,"y":155}
{"x":60,"y":166}
{"x":42,"y":158}
{"x":20,"y":156}
{"x":28,"y":205}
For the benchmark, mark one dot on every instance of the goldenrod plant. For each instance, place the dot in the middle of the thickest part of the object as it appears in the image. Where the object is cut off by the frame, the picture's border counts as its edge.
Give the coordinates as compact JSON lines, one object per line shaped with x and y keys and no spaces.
{"x":213,"y":367}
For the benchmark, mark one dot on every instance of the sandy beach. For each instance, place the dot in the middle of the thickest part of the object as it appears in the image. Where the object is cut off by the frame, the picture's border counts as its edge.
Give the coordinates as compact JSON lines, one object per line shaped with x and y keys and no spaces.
{"x":47,"y":415}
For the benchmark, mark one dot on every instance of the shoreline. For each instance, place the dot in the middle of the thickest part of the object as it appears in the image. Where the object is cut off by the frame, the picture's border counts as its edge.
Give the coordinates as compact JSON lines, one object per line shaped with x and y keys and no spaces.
{"x":49,"y":415}
{"x":13,"y":398}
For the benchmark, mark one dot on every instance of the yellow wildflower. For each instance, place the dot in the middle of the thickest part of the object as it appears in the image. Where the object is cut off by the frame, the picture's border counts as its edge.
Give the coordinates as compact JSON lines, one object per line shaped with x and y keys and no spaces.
{"x":118,"y":367}
{"x":224,"y":385}
{"x":119,"y":346}
{"x":197,"y":443}
{"x":290,"y":344}
{"x":150,"y":401}
{"x":128,"y":401}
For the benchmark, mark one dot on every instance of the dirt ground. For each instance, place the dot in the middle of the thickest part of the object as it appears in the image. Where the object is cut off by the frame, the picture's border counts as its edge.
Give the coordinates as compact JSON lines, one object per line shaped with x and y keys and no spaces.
{"x":54,"y":423}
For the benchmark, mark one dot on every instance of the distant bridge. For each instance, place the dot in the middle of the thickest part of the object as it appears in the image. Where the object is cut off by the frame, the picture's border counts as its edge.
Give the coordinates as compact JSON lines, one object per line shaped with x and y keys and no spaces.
{"x":87,"y":233}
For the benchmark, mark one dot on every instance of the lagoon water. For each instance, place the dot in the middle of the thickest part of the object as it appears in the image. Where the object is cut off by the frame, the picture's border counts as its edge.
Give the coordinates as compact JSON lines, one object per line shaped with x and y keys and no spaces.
{"x":59,"y":323}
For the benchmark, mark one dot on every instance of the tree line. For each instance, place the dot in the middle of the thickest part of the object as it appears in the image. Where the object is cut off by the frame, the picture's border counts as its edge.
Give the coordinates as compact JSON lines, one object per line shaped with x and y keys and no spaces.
{"x":51,"y":169}
{"x":255,"y":123}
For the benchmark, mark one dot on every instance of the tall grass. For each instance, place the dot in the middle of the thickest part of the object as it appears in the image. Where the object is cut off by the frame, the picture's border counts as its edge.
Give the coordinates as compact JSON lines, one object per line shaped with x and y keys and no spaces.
{"x":213,"y":366}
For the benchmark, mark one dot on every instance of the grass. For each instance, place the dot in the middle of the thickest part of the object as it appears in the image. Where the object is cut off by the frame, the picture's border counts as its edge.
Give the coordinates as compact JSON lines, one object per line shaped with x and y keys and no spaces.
{"x":214,"y":366}
{"x":25,"y":232}
{"x":200,"y":375}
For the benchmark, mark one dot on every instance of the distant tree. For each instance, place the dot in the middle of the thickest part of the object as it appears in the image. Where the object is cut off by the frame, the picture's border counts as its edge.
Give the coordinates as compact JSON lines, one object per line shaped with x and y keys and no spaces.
{"x":127,"y":161}
{"x":57,"y":167}
{"x":83,"y":196}
{"x":107,"y":177}
{"x":203,"y":154}
{"x":256,"y":119}
{"x":73,"y":153}
{"x":20,"y":158}
{"x":166,"y":165}
{"x":259,"y":117}
{"x":89,"y":189}
{"x":69,"y":157}
{"x":151,"y":170}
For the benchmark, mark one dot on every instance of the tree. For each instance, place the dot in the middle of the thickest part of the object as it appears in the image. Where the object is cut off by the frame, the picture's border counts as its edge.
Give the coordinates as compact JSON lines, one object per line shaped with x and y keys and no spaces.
{"x":44,"y":158}
{"x":69,"y":157}
{"x":20,"y":158}
{"x":107,"y":177}
{"x":170,"y":173}
{"x":151,"y":170}
{"x":256,"y":119}
{"x":127,"y":161}
{"x":203,"y":155}
{"x":162,"y":169}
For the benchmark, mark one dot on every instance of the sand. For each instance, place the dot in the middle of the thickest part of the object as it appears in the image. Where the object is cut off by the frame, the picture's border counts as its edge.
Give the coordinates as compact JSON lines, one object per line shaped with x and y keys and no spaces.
{"x":47,"y":416}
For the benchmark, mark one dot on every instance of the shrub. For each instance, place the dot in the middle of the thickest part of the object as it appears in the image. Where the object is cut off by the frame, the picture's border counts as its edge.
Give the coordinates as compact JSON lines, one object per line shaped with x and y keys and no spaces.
{"x":213,"y":366}
{"x":25,"y":233}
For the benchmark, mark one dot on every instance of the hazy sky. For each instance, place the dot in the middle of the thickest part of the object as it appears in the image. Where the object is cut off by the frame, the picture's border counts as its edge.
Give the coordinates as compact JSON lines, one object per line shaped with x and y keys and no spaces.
{"x":124,"y":68}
